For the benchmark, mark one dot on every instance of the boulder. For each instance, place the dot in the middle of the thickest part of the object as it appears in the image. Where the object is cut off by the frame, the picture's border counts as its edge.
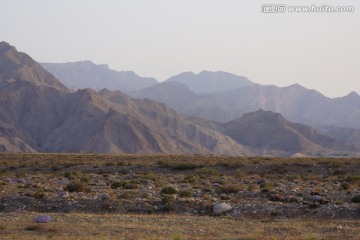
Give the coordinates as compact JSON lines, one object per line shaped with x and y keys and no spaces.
{"x":221,"y":208}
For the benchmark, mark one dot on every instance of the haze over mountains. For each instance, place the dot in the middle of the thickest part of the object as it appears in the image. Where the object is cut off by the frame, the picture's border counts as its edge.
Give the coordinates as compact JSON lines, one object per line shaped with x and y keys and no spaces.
{"x":38,"y":113}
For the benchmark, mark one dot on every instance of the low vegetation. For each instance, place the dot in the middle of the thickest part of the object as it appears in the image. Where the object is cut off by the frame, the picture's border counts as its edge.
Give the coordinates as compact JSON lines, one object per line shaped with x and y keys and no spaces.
{"x":107,"y":196}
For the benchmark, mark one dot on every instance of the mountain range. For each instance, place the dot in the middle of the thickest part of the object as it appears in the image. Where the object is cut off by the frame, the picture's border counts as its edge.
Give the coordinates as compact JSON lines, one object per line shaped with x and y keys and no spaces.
{"x":222,"y":97}
{"x":85,"y":74}
{"x":39,"y":114}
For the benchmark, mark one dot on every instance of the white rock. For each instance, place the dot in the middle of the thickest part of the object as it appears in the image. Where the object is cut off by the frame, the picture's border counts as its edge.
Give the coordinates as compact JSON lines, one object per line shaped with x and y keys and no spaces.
{"x":221,"y":208}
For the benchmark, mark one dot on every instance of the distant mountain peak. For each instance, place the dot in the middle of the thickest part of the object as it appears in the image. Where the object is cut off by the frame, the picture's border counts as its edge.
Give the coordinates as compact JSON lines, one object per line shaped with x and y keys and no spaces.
{"x":21,"y":67}
{"x":210,"y":82}
{"x":84,"y":74}
{"x":353,"y":94}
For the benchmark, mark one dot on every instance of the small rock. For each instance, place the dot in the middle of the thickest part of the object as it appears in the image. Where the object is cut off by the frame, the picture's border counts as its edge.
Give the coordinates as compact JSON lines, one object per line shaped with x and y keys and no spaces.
{"x":8,"y":180}
{"x":42,"y":219}
{"x":221,"y":208}
{"x":315,"y":198}
{"x":104,"y":196}
{"x":64,"y":195}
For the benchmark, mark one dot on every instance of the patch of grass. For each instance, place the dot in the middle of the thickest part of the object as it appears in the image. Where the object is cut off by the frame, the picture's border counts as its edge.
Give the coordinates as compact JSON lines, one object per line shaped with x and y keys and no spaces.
{"x":203,"y":172}
{"x":311,"y":236}
{"x":229,"y":189}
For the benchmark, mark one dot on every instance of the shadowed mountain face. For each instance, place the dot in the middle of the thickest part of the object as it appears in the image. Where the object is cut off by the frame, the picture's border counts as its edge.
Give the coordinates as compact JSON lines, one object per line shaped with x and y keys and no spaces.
{"x":39,"y":114}
{"x":85,"y":74}
{"x":210,"y":82}
{"x":271,"y":131}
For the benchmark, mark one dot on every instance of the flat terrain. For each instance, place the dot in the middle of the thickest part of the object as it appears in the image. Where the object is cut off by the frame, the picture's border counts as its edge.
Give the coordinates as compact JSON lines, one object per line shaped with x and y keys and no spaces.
{"x":92,"y":196}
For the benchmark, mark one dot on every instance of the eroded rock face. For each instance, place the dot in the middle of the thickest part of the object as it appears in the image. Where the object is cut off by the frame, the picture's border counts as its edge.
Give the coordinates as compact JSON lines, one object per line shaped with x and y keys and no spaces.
{"x":221,"y":208}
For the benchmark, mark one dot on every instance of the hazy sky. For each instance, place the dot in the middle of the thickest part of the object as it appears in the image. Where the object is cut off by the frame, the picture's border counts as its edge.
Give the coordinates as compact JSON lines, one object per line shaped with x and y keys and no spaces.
{"x":161,"y":38}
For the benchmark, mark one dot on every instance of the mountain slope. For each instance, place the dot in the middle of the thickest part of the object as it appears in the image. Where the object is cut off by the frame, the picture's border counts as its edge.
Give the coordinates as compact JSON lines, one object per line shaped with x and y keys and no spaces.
{"x":42,"y":115}
{"x":349,"y":135}
{"x":16,"y":66}
{"x":271,"y":131}
{"x":210,"y":82}
{"x":85,"y":74}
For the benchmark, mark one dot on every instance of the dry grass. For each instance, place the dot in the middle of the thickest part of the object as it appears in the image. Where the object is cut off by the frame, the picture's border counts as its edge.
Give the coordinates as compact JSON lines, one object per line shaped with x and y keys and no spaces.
{"x":92,"y":226}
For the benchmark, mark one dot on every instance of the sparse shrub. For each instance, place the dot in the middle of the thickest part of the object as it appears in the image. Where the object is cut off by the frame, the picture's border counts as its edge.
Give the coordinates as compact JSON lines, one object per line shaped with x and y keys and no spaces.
{"x":20,"y":174}
{"x":229,"y":189}
{"x":167,"y":198}
{"x":76,"y":187}
{"x":232,"y":163}
{"x":150,"y":176}
{"x":72,"y":175}
{"x":169,"y":206}
{"x":338,"y":172}
{"x":240,"y":174}
{"x":207,"y":172}
{"x":251,"y":188}
{"x":127,"y":195}
{"x":353,"y":178}
{"x":190,"y":179}
{"x":39,"y":194}
{"x":266,"y":186}
{"x":110,"y":163}
{"x":292,"y":177}
{"x":356,"y":199}
{"x":169,"y":190}
{"x":185,"y":194}
{"x":124,"y":184}
{"x":85,"y":179}
{"x":345,"y":186}
{"x":55,"y":168}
